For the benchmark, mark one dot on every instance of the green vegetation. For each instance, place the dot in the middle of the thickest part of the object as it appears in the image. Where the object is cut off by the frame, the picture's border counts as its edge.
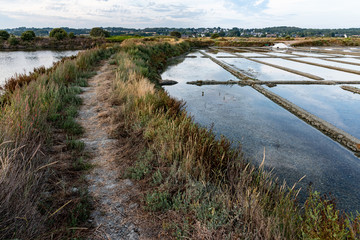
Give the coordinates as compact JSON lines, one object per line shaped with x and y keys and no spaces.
{"x":58,"y":33}
{"x":99,"y":32}
{"x":81,"y":165}
{"x":189,"y":174}
{"x":175,"y":34}
{"x":72,"y":35}
{"x":4,"y":35}
{"x":28,"y":36}
{"x":215,"y":35}
{"x":13,"y":41}
{"x":37,"y":117}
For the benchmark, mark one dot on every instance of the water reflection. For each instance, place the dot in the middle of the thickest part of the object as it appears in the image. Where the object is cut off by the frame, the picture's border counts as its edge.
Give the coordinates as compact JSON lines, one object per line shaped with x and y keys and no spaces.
{"x":261,"y":71}
{"x":331,"y":103}
{"x":293,"y":148}
{"x":23,"y":61}
{"x":327,"y":74}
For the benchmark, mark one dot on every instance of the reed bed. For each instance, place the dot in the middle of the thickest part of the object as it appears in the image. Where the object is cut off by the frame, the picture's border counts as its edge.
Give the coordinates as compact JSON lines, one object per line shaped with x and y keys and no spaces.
{"x":203,"y":187}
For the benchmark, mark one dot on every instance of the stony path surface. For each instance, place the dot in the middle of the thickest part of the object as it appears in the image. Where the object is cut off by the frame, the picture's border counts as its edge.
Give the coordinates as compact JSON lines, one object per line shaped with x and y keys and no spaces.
{"x":111,"y":217}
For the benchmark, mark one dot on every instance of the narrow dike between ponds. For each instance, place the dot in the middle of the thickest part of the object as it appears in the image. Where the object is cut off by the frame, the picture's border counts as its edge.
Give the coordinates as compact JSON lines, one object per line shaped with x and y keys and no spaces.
{"x":115,"y":214}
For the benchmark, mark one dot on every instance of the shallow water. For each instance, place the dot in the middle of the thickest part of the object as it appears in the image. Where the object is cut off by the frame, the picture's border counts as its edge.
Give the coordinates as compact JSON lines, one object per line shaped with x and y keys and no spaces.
{"x":261,"y":71}
{"x":293,"y":148}
{"x":350,"y":60}
{"x":331,"y":103}
{"x":220,"y":54}
{"x":331,"y":63}
{"x":327,"y":74}
{"x":310,"y":54}
{"x":281,"y":54}
{"x":194,"y":69}
{"x":12,"y":62}
{"x":252,"y":54}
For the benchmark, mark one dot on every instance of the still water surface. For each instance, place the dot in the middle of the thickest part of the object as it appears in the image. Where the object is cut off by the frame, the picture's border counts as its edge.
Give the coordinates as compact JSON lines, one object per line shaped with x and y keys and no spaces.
{"x":293,"y":148}
{"x":12,"y":62}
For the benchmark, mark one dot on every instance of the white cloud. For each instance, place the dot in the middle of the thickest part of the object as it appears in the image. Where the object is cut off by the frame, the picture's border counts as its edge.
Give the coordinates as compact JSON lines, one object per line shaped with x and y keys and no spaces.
{"x":180,"y":13}
{"x":311,"y":13}
{"x":258,"y":2}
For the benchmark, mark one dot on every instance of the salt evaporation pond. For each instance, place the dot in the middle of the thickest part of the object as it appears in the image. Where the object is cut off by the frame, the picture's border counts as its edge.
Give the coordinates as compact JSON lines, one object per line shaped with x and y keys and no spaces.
{"x":195,"y":69}
{"x":278,"y":54}
{"x":350,"y":60}
{"x":310,"y":54}
{"x":261,"y":71}
{"x":293,"y":148}
{"x":331,"y":103}
{"x":331,"y":63}
{"x":12,"y":62}
{"x":327,"y":74}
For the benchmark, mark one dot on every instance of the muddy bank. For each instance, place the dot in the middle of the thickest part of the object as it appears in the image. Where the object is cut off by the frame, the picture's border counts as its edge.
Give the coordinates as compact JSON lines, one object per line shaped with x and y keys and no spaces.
{"x":78,"y":43}
{"x":351,"y":89}
{"x":328,"y":129}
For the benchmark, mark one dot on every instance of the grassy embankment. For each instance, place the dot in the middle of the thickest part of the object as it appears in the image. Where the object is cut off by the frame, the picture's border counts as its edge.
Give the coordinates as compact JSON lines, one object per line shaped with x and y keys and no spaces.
{"x":41,"y":161}
{"x":297,"y":42}
{"x":340,"y":42}
{"x":199,"y":186}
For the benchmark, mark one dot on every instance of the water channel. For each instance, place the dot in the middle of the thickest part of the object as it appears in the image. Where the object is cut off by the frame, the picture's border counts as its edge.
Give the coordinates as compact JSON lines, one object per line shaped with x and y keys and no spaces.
{"x":293,"y":148}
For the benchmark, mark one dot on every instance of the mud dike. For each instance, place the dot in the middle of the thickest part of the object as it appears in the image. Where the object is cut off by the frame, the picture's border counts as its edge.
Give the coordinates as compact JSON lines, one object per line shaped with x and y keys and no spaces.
{"x":351,"y":89}
{"x":338,"y":135}
{"x":111,"y":218}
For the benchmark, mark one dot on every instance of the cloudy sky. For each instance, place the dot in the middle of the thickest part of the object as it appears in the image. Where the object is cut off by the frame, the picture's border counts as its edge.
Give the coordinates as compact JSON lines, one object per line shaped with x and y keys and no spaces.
{"x":180,"y":13}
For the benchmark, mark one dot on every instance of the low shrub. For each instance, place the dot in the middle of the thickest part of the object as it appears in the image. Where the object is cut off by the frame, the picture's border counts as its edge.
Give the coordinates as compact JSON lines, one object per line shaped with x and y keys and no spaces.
{"x":4,"y":35}
{"x":28,"y":36}
{"x":58,"y":33}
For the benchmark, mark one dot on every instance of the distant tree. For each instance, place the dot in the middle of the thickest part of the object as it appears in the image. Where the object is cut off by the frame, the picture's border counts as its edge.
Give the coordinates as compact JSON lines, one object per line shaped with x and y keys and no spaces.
{"x":13,"y":41}
{"x":222,"y":33}
{"x":58,"y":33}
{"x":235,"y":32}
{"x":28,"y":36}
{"x":72,"y":35}
{"x":4,"y":35}
{"x":99,"y":32}
{"x":175,"y":34}
{"x":215,"y":35}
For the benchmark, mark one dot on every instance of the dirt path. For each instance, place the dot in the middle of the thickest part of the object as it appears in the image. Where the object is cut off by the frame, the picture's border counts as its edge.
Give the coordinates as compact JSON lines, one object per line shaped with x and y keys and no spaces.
{"x":114,"y":216}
